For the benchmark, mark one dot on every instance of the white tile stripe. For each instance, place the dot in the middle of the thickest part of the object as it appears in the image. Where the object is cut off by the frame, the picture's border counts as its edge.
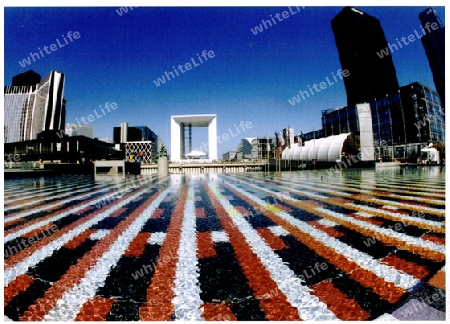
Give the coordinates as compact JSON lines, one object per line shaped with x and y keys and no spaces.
{"x":326,"y":222}
{"x":47,"y":250}
{"x":219,"y":236}
{"x":278,"y":230}
{"x":51,"y":192}
{"x":157,"y":238}
{"x":39,"y":224}
{"x":67,"y":308}
{"x":389,"y":207}
{"x":416,"y":207}
{"x":186,"y":301}
{"x":363,"y":214}
{"x":99,"y":234}
{"x":70,"y":194}
{"x":389,"y":274}
{"x":358,"y":190}
{"x":386,"y":317}
{"x":309,"y":306}
{"x":398,"y":217}
{"x":25,"y":190}
{"x":46,"y":207}
{"x":386,"y":231}
{"x":415,"y":198}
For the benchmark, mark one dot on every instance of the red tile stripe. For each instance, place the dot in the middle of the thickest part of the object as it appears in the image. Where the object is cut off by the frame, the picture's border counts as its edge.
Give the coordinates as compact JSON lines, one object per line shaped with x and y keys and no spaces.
{"x":84,"y":210}
{"x":47,"y":228}
{"x":18,"y":220}
{"x":366,"y":219}
{"x":218,"y":312}
{"x":21,"y":283}
{"x":388,"y":240}
{"x":205,"y":245}
{"x":117,"y":212}
{"x":16,"y":258}
{"x":366,"y":278}
{"x":76,"y":272}
{"x":345,"y":308}
{"x":271,"y":239}
{"x":341,"y":202}
{"x":200,"y":212}
{"x":51,"y":215}
{"x":394,"y":210}
{"x":338,"y":200}
{"x":137,"y":246}
{"x":276,"y":308}
{"x":159,"y":305}
{"x":243,"y":211}
{"x":438,"y":280}
{"x":158,"y":213}
{"x":329,"y":230}
{"x":78,"y":240}
{"x":96,"y":309}
{"x":407,"y":266}
{"x":19,"y":202}
{"x":283,"y":208}
{"x":314,"y":203}
{"x":434,"y":239}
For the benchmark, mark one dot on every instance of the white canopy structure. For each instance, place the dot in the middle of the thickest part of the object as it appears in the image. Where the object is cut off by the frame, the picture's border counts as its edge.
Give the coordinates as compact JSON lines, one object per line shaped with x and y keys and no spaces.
{"x":326,"y":149}
{"x":196,"y":154}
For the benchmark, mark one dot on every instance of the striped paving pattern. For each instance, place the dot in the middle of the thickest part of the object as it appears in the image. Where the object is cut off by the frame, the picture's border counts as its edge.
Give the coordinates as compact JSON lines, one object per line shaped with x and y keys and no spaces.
{"x":356,"y":245}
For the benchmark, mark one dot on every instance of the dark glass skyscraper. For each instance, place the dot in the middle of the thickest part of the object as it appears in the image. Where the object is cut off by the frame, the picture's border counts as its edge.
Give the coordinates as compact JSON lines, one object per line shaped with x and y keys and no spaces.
{"x":359,"y":39}
{"x":434,"y":44}
{"x":29,"y":78}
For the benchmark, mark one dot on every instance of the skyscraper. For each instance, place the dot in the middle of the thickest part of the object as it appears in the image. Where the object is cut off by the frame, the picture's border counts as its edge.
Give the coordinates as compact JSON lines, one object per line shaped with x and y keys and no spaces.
{"x":434,"y":44}
{"x":32,"y":109}
{"x":359,"y":37}
{"x":29,"y":78}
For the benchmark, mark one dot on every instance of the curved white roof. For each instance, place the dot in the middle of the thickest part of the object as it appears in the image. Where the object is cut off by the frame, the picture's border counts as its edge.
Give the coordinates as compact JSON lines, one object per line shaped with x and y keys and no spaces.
{"x":326,"y":149}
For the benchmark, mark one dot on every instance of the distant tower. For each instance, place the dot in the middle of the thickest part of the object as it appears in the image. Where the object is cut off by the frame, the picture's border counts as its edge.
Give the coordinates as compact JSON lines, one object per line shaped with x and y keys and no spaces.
{"x":434,"y":44}
{"x":359,"y":37}
{"x":123,"y":132}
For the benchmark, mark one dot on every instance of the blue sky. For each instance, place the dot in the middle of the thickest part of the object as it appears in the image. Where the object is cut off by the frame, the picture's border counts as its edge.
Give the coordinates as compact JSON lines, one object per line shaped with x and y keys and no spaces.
{"x":250,"y":78}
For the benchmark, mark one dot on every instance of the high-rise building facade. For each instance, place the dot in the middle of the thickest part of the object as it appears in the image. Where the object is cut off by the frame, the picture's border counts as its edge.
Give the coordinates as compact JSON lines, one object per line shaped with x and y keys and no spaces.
{"x":133,"y":134}
{"x":403,"y":121}
{"x":126,"y":133}
{"x":434,"y":44}
{"x":359,"y":39}
{"x":32,"y":109}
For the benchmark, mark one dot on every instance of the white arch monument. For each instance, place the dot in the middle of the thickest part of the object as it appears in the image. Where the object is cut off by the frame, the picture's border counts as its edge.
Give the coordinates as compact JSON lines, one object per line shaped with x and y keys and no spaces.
{"x":177,"y":134}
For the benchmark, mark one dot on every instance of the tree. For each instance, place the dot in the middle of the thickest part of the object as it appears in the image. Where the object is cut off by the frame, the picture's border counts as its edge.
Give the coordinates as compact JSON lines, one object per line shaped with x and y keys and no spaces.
{"x":162,"y":152}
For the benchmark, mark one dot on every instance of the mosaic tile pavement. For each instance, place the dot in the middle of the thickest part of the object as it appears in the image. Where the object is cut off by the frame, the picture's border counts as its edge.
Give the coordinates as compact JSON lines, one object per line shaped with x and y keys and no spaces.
{"x":253,"y":246}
